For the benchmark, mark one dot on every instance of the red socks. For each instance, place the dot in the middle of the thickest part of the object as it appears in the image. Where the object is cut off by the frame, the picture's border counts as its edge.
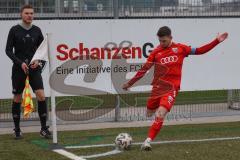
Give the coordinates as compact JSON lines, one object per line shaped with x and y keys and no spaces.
{"x":155,"y":128}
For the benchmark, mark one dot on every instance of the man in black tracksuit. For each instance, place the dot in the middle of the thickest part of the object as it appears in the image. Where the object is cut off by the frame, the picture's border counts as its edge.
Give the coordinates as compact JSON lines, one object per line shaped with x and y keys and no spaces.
{"x":22,"y":43}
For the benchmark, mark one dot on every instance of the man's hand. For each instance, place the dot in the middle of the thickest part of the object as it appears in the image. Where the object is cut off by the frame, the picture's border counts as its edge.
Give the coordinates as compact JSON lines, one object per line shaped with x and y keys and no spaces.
{"x":126,"y":86}
{"x":25,"y":68}
{"x":34,"y":64}
{"x":222,"y":37}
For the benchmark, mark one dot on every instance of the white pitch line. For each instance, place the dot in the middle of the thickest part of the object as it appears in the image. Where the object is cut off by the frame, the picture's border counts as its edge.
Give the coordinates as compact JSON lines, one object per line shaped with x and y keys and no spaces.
{"x":198,"y":140}
{"x":68,"y":154}
{"x":160,"y":142}
{"x":90,"y":146}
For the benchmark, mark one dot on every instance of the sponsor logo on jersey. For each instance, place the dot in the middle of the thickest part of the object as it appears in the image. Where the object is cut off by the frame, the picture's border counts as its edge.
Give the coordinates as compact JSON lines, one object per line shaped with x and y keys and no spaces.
{"x":169,"y":59}
{"x":27,"y":35}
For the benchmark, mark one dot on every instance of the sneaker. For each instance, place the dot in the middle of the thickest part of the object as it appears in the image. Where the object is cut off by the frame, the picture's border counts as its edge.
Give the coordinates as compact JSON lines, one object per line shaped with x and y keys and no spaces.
{"x":17,"y":133}
{"x":45,"y":133}
{"x":146,"y":146}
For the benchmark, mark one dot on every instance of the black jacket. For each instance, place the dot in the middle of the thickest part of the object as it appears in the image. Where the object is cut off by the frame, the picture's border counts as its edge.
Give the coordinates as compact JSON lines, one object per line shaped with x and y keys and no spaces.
{"x":22,"y":44}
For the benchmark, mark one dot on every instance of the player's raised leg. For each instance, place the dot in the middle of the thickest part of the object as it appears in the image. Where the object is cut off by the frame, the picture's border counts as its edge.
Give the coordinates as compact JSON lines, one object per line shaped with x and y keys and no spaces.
{"x":161,"y":105}
{"x":160,"y":114}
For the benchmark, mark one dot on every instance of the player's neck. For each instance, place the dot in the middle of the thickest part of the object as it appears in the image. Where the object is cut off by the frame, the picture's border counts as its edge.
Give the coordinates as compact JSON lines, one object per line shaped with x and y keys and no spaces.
{"x":169,"y":44}
{"x":26,"y":26}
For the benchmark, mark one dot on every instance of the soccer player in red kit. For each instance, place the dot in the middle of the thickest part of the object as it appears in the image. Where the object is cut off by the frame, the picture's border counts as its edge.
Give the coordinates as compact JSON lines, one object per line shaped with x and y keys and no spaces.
{"x":167,"y":59}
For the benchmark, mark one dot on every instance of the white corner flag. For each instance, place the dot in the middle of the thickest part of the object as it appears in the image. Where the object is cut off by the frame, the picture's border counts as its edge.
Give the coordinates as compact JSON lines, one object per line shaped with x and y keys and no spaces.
{"x":42,"y":51}
{"x":42,"y":54}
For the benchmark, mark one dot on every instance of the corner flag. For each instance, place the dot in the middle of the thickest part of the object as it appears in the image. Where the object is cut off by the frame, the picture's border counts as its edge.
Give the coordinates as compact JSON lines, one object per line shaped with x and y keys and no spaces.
{"x":27,"y":102}
{"x":42,"y":51}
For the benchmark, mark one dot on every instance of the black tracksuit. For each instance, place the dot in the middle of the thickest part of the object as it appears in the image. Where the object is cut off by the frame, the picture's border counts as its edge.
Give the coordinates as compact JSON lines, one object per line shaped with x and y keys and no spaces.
{"x":21,"y":46}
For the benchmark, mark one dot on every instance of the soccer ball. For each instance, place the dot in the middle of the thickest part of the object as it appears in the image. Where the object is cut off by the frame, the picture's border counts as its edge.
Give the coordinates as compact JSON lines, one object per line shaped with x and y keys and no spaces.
{"x":123,"y":141}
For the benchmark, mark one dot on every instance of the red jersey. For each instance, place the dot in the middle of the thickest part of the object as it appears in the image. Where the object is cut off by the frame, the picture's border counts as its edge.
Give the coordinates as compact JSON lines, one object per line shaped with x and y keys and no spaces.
{"x":168,"y":64}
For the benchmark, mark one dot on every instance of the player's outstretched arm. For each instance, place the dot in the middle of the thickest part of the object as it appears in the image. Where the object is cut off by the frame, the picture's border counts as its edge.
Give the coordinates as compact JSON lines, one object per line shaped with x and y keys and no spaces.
{"x":141,"y":72}
{"x":138,"y":75}
{"x":207,"y":47}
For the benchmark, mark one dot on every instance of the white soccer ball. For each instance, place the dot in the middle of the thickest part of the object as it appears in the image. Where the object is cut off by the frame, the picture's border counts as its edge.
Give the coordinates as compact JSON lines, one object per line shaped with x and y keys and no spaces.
{"x":123,"y":141}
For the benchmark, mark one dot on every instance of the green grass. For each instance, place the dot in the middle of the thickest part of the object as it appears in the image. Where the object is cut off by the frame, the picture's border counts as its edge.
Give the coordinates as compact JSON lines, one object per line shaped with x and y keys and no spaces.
{"x":223,"y":150}
{"x":32,"y":147}
{"x":11,"y":149}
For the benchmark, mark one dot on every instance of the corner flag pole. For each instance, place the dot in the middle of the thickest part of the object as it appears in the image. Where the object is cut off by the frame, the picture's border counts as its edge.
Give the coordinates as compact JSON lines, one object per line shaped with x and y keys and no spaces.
{"x":52,"y":92}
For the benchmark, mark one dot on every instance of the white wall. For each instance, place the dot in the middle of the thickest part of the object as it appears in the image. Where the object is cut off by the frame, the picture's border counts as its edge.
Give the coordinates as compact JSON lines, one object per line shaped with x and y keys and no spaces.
{"x":216,"y":70}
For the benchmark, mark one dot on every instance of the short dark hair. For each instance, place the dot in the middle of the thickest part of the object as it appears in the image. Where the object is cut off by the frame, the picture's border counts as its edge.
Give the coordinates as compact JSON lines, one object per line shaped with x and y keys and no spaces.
{"x":164,"y":31}
{"x":26,"y":6}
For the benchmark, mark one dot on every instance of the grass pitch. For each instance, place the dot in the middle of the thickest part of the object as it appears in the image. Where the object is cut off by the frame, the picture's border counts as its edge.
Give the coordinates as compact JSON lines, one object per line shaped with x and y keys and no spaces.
{"x":32,"y":147}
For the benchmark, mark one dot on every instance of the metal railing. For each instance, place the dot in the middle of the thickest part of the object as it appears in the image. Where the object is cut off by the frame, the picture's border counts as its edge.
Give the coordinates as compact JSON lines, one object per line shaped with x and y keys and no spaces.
{"x":132,"y":107}
{"x":9,"y":9}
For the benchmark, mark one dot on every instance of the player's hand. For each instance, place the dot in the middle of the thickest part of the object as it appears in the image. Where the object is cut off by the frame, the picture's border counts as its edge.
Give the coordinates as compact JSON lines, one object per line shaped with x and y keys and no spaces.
{"x":25,"y":68}
{"x":222,"y":37}
{"x":34,"y":64}
{"x":126,"y":86}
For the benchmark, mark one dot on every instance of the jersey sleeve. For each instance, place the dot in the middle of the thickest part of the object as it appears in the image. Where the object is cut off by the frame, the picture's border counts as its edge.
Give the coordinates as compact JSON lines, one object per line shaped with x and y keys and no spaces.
{"x":10,"y":46}
{"x":149,"y":63}
{"x":207,"y":47}
{"x":200,"y":50}
{"x":187,"y":50}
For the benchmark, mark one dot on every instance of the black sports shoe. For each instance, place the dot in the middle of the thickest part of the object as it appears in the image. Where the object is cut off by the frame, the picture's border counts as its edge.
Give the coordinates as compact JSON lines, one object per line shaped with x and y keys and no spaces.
{"x":45,"y":133}
{"x":17,"y":133}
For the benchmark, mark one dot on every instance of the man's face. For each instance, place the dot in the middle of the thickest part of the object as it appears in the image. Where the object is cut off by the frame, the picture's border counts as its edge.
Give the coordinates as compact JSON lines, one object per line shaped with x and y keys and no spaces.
{"x":165,"y":41}
{"x":27,"y":15}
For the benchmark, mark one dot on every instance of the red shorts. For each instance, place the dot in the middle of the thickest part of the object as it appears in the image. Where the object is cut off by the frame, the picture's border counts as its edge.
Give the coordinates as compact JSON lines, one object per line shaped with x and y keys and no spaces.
{"x":166,"y":100}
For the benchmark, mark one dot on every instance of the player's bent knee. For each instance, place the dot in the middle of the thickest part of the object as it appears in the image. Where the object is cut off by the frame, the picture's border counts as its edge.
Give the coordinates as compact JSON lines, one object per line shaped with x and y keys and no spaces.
{"x":40,"y":95}
{"x":41,"y":98}
{"x":161,"y":112}
{"x":162,"y":116}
